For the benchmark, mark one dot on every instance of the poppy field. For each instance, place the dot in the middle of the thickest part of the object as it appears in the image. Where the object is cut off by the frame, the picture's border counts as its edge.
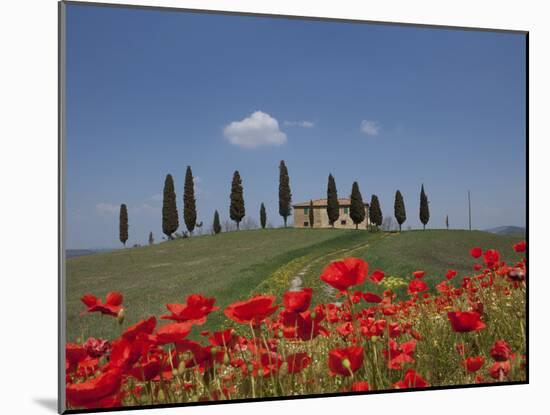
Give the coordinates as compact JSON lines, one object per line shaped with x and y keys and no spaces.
{"x":465,"y":329}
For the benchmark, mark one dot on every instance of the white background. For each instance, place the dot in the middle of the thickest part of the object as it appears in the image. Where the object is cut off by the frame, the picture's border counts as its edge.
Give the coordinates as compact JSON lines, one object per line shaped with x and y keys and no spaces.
{"x":28,"y":178}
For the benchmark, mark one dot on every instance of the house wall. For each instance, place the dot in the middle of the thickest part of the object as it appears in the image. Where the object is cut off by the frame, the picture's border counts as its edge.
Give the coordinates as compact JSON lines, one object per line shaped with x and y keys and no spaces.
{"x":321,"y":218}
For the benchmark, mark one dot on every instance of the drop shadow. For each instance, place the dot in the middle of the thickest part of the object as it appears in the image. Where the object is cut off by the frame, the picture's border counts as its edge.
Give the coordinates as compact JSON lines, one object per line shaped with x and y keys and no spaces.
{"x":48,"y":403}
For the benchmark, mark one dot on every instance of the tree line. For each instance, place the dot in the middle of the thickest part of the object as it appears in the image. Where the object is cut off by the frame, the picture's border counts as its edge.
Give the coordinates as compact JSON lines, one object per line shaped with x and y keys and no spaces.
{"x":237,"y":211}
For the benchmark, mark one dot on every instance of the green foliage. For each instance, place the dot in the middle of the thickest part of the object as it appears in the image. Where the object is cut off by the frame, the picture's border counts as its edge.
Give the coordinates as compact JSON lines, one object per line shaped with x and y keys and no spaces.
{"x":123,"y":224}
{"x":285,"y":196}
{"x":170,"y":221}
{"x":236,"y":208}
{"x":375,"y":212}
{"x":399,"y":209}
{"x":263,"y":216}
{"x":357,"y":208}
{"x":189,"y":203}
{"x":311,"y":214}
{"x":424,"y":208}
{"x":216,"y":226}
{"x":333,"y":207}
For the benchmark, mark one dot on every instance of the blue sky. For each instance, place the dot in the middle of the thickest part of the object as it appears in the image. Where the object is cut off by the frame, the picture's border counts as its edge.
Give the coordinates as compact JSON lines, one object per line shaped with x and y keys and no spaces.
{"x":150,"y":92}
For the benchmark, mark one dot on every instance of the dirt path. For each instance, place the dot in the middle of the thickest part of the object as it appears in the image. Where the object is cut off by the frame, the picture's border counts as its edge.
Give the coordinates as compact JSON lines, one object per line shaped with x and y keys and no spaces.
{"x":297,"y":281}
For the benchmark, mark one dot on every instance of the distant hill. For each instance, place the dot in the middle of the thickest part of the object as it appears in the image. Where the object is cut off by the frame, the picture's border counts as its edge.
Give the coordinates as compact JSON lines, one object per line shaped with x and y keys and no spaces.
{"x":71,"y":253}
{"x":507,"y":230}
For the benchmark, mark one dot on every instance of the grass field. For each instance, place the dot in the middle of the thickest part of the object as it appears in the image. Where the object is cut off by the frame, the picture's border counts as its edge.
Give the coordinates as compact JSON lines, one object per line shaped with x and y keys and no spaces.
{"x":231,"y":266}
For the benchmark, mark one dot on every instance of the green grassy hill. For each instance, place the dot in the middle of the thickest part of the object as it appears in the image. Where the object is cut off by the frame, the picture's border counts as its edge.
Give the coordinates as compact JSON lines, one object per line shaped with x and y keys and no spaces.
{"x":231,"y":266}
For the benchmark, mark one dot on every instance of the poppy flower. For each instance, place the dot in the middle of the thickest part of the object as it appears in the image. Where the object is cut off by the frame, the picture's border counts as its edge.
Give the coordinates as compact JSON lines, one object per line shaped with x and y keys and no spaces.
{"x":411,"y":380}
{"x":97,"y":347}
{"x":501,"y":351}
{"x":491,"y":257}
{"x":419,"y":274}
{"x":397,"y":355}
{"x":417,"y":286}
{"x":146,"y":327}
{"x":297,"y":362}
{"x":465,"y":321}
{"x":520,"y":246}
{"x":147,"y":370}
{"x":173,"y":332}
{"x":111,"y":307}
{"x":74,"y":353}
{"x":371,"y":298}
{"x":450,"y":274}
{"x":345,"y":361}
{"x":196,"y":308}
{"x":476,"y":252}
{"x":361,"y":386}
{"x":224,"y":338}
{"x":346,"y":273}
{"x":376,"y":276}
{"x":499,"y":370}
{"x":478,"y":267}
{"x":297,"y":301}
{"x":86,"y":394}
{"x":254,"y":310}
{"x":473,"y":364}
{"x":308,"y":325}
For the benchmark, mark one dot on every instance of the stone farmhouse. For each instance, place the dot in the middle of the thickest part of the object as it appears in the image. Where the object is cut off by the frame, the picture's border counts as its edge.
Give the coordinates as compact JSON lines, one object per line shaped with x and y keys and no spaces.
{"x":320,"y":216}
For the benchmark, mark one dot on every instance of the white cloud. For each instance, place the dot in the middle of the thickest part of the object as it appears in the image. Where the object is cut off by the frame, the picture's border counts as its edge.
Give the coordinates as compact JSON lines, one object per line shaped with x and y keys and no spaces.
{"x":259,"y":129}
{"x":107,"y":208}
{"x":145,"y":208}
{"x":370,"y":127}
{"x":303,"y":124}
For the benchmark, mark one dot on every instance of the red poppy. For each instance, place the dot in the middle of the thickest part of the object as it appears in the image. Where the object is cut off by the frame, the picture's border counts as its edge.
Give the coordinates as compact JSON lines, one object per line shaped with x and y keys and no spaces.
{"x":360,"y":386}
{"x":97,"y":347}
{"x":478,"y":267}
{"x":465,"y":321}
{"x":196,"y":308}
{"x":411,"y":380}
{"x":173,"y":332}
{"x":74,"y":353}
{"x":397,"y":355}
{"x":419,"y":274}
{"x":371,"y":298}
{"x":520,"y":246}
{"x":376,"y":276}
{"x":499,"y":370}
{"x":147,"y":370}
{"x":297,"y":301}
{"x":501,"y":351}
{"x":473,"y":364}
{"x":476,"y":252}
{"x":254,"y":310}
{"x":417,"y":286}
{"x":491,"y":258}
{"x":141,"y":327}
{"x":297,"y":362}
{"x":87,"y":394}
{"x":111,"y":307}
{"x":308,"y":325}
{"x":346,"y":273}
{"x":345,"y":361}
{"x":450,"y":274}
{"x":224,"y":338}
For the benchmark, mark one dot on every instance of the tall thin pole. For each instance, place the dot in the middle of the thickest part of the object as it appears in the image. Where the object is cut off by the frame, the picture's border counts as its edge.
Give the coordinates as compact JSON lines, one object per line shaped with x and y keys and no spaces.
{"x":469,"y":212}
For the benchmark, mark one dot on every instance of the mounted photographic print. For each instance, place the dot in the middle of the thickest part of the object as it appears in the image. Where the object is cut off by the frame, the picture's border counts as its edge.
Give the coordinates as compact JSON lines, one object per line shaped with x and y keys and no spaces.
{"x":259,"y":207}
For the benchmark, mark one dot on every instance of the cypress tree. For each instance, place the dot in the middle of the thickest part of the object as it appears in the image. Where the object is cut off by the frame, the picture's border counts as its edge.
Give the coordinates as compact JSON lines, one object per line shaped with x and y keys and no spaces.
{"x":263,"y":216}
{"x":357,"y":208}
{"x":170,"y":221}
{"x":375,"y":213}
{"x":447,"y":222}
{"x":333,"y":208}
{"x":236,"y":208}
{"x":285,"y":197}
{"x":189,"y":204}
{"x":424,"y":209}
{"x":123,"y":226}
{"x":311,"y":215}
{"x":399,"y":209}
{"x":151,"y":238}
{"x":216,"y":227}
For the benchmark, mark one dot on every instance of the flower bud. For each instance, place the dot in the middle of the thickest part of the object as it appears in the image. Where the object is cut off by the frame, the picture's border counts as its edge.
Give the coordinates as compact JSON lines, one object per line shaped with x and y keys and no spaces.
{"x":346,"y":363}
{"x":120,"y":316}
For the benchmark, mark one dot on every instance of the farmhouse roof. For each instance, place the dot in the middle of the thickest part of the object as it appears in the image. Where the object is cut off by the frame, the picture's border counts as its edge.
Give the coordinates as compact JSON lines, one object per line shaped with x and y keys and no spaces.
{"x":323,"y":203}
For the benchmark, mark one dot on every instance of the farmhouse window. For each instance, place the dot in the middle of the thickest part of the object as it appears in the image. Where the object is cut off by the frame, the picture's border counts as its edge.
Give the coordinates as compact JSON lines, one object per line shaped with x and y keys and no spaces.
{"x":306,"y":223}
{"x":342,"y":222}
